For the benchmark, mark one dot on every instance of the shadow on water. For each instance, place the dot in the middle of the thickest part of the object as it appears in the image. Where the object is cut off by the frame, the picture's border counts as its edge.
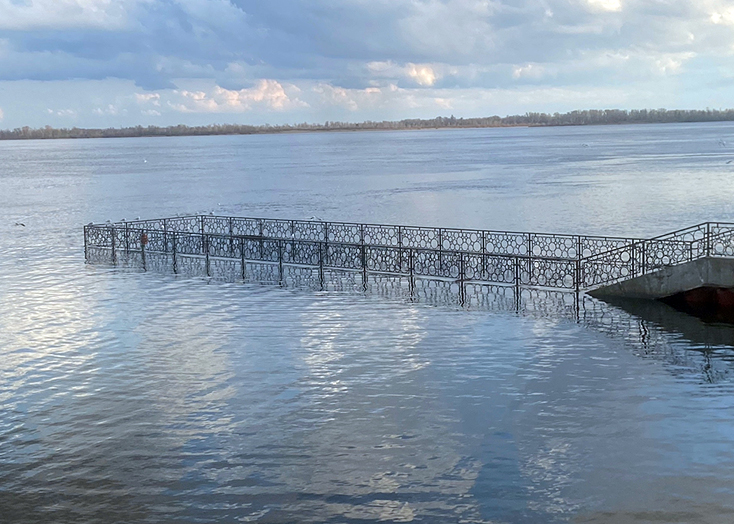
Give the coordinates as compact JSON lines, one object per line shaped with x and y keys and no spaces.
{"x":658,"y":330}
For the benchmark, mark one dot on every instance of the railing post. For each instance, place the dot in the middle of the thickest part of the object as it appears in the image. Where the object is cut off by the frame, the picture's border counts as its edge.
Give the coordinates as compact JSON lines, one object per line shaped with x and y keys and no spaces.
{"x":363,"y":255}
{"x":577,"y":276}
{"x":321,"y":265}
{"x":173,"y":250}
{"x":242,"y":258}
{"x":202,"y":224}
{"x":708,"y":239}
{"x":326,"y":242}
{"x":440,"y":250}
{"x":411,"y":273}
{"x":143,"y":241}
{"x":484,"y":257}
{"x":112,"y":236}
{"x":231,"y":238}
{"x":634,"y":255}
{"x":127,"y":238}
{"x":400,"y":249}
{"x":517,"y":284}
{"x":530,"y":254}
{"x":86,"y":251}
{"x":280,"y":262}
{"x":205,"y":247}
{"x":643,"y":259}
{"x":462,"y":291}
{"x":261,"y":230}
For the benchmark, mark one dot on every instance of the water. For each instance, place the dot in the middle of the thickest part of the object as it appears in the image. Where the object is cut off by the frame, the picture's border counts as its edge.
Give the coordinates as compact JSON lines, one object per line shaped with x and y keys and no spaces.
{"x":144,"y":397}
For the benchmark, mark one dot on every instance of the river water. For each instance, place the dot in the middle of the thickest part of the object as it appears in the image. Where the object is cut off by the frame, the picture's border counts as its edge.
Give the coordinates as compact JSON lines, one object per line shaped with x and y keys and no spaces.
{"x":146,"y":397}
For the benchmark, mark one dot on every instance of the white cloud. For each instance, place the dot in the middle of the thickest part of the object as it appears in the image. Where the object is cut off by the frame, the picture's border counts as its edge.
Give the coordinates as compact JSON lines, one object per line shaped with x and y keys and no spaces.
{"x":352,"y":99}
{"x":62,"y":112}
{"x":109,"y":109}
{"x":2,"y":115}
{"x":267,"y":94}
{"x":606,"y":5}
{"x":528,"y":71}
{"x":66,"y":14}
{"x":443,"y":103}
{"x":148,"y":98}
{"x":423,"y":74}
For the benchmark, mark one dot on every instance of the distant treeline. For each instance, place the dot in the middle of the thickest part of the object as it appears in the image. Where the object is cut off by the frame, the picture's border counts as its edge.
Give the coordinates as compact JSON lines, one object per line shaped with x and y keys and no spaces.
{"x":575,"y":118}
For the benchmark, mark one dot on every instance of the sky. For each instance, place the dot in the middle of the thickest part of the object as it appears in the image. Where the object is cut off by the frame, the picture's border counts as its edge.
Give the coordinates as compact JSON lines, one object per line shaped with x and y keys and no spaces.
{"x":105,"y":63}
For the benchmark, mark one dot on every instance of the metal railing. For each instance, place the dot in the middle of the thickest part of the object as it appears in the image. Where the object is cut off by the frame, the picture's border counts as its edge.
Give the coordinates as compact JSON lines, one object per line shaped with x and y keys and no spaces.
{"x":557,"y":261}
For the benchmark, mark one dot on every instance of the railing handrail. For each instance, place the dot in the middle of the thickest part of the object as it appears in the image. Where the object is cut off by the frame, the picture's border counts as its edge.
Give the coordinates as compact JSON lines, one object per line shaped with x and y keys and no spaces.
{"x":371,"y":224}
{"x":436,"y":250}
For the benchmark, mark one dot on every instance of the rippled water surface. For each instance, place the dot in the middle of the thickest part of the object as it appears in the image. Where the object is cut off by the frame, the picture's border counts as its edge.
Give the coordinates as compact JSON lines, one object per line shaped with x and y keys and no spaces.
{"x":145,"y":397}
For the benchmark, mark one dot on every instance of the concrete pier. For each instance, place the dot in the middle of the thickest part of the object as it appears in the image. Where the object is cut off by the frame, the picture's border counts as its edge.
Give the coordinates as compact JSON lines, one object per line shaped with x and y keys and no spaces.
{"x":714,"y":273}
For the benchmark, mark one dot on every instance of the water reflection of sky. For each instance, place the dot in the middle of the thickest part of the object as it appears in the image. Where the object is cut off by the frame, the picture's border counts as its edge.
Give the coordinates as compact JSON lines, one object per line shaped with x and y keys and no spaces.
{"x":136,"y":396}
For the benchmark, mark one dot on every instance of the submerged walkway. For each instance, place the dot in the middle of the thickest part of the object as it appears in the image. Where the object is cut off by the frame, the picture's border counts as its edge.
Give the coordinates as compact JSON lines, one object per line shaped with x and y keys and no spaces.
{"x":240,"y":246}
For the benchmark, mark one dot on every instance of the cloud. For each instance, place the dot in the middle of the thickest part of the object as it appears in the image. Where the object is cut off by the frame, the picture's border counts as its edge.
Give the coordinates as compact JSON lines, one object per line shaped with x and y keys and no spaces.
{"x":2,"y":114}
{"x":528,"y":71}
{"x":606,"y":5}
{"x":148,"y":98}
{"x":268,"y":94}
{"x":66,"y":113}
{"x":24,"y":15}
{"x":352,"y":99}
{"x":423,"y":75}
{"x":299,"y":57}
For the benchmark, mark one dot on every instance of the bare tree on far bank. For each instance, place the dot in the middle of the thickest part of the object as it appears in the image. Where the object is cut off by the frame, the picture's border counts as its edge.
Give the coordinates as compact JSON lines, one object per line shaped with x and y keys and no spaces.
{"x":573,"y":118}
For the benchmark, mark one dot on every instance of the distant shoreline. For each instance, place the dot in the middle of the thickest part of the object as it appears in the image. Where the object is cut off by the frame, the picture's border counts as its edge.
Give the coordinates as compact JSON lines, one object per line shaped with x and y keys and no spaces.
{"x":573,"y":118}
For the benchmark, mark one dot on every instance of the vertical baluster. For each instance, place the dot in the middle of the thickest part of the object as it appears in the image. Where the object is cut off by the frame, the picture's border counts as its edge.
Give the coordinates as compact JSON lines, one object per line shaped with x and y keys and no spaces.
{"x":280,"y":262}
{"x":462,"y":290}
{"x":112,"y":236}
{"x":231,"y":238}
{"x":517,"y":283}
{"x":262,"y":242}
{"x":411,"y":270}
{"x":634,"y":255}
{"x":242,"y":259}
{"x":363,"y":249}
{"x":205,"y":247}
{"x":86,"y":249}
{"x":173,"y":250}
{"x":143,"y":241}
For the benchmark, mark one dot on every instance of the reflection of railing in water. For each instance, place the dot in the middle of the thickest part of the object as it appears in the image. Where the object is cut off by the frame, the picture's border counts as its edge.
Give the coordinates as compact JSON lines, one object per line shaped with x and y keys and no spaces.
{"x":461,"y":256}
{"x":647,"y":333}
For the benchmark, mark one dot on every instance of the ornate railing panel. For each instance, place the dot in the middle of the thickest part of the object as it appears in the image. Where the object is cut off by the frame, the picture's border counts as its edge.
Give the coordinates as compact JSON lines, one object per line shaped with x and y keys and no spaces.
{"x":570,"y":262}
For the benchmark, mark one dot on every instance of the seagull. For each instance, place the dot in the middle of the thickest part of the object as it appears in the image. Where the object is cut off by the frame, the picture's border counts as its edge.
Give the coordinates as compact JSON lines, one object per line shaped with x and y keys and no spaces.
{"x":20,"y":224}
